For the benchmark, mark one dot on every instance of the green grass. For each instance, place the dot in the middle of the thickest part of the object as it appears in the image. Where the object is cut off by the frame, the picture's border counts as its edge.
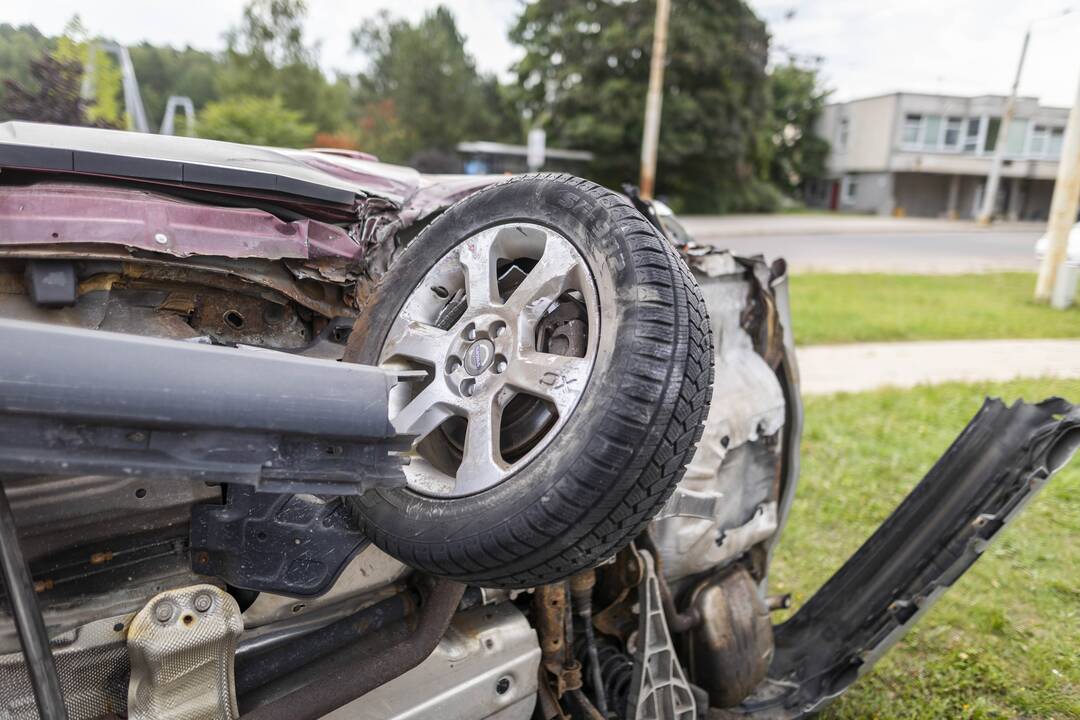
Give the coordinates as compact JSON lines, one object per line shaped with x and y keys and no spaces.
{"x":1004,"y":642}
{"x":838,"y":308}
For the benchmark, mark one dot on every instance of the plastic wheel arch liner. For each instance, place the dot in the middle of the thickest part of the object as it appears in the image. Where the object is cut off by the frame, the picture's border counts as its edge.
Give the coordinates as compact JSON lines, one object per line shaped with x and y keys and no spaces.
{"x":984,"y":480}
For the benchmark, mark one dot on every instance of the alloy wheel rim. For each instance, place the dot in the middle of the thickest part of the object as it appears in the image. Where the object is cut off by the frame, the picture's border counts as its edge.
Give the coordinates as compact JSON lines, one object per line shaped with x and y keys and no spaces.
{"x":505,"y":367}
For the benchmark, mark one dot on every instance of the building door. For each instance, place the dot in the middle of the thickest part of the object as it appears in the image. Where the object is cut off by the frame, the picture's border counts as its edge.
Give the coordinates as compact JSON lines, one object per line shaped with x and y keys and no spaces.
{"x":834,"y":195}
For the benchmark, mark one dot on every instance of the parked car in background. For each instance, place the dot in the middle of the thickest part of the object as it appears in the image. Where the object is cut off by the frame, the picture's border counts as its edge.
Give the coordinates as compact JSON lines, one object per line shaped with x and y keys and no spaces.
{"x":1072,"y":254}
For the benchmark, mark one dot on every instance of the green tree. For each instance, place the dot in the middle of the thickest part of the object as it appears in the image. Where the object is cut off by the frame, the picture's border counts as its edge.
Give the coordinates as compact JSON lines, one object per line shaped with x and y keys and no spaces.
{"x":267,"y":56}
{"x":797,"y":152}
{"x":104,"y":106}
{"x":379,"y":131}
{"x":44,"y":78}
{"x":165,"y":71}
{"x":51,"y":94}
{"x":422,"y":91}
{"x":584,"y":78}
{"x":254,"y":120}
{"x":99,"y":73}
{"x":271,"y":33}
{"x":19,"y":48}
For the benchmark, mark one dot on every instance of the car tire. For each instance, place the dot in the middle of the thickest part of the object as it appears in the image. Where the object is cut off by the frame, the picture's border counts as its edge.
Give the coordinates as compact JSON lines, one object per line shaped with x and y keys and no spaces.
{"x":617,"y":455}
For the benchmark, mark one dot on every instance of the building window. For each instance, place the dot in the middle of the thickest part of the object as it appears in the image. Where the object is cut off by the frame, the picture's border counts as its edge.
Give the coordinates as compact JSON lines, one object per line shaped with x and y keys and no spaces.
{"x":925,"y":132}
{"x":971,"y":137}
{"x":912,"y":130}
{"x":842,"y":133}
{"x":1039,"y":136}
{"x":848,"y":188}
{"x":1053,"y":143}
{"x":992,"y":129}
{"x":953,"y":126}
{"x":1045,"y":141}
{"x":1014,"y":143}
{"x":932,"y":132}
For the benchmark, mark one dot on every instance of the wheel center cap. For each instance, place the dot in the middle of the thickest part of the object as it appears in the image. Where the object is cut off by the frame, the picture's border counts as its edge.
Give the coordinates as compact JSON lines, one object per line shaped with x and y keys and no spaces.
{"x":479,"y":356}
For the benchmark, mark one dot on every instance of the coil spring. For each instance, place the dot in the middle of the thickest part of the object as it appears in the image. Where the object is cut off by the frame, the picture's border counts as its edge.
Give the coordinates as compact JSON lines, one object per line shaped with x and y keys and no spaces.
{"x":616,"y":671}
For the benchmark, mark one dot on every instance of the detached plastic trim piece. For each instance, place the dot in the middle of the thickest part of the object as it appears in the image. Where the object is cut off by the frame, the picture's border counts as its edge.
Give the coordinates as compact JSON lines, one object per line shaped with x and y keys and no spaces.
{"x":982,"y":482}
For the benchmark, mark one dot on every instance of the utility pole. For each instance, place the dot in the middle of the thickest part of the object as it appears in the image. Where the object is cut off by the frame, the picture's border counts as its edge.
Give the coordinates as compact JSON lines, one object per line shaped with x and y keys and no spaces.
{"x":1052,"y":283}
{"x":994,"y":178}
{"x":654,"y":101}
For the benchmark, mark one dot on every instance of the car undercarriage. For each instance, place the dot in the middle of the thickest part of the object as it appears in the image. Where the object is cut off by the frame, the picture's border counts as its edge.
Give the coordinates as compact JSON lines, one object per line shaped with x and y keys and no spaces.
{"x":296,"y":434}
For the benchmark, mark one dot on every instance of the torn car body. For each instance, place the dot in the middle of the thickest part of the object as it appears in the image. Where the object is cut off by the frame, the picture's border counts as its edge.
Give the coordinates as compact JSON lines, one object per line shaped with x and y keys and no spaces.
{"x":180,"y":482}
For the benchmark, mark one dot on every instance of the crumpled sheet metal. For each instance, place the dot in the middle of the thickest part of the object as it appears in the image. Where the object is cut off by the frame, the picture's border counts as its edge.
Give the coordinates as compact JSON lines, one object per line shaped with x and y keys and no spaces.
{"x":725,"y":502}
{"x":57,"y":213}
{"x":181,"y":647}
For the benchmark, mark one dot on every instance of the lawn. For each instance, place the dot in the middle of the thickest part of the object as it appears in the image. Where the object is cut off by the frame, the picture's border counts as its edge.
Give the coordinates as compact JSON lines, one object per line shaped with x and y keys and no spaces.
{"x":1004,"y":642}
{"x":839,"y":308}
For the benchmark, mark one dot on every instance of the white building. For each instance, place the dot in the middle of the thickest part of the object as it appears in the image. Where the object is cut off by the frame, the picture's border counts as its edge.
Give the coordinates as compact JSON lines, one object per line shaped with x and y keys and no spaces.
{"x":929,"y":155}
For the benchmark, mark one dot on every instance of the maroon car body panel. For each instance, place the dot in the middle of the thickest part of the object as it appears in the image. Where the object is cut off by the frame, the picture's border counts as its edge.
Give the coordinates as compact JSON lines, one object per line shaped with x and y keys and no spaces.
{"x":47,"y":206}
{"x":48,"y":213}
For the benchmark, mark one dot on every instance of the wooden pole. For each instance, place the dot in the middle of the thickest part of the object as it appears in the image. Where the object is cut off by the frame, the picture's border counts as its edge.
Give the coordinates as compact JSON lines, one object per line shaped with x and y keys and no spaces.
{"x":654,"y":101}
{"x":986,"y":215}
{"x":1051,"y":284}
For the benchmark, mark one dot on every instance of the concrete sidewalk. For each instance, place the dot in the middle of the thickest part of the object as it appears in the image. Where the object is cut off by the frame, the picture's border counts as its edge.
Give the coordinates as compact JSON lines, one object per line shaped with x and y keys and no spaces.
{"x":868,"y":366}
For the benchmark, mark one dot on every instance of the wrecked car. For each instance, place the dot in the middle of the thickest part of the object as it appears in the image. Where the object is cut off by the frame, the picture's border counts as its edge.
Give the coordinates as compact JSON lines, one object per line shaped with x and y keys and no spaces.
{"x":298,"y":434}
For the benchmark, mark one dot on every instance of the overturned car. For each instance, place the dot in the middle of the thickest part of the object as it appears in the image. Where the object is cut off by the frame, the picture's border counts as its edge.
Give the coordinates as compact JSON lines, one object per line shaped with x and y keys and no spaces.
{"x":296,"y":434}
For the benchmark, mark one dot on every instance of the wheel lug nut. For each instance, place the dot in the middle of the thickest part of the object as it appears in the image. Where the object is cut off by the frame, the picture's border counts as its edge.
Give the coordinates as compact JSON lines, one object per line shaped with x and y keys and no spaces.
{"x":500,"y":364}
{"x":452,"y":364}
{"x":498,"y":328}
{"x":467,"y":386}
{"x":470,"y":332}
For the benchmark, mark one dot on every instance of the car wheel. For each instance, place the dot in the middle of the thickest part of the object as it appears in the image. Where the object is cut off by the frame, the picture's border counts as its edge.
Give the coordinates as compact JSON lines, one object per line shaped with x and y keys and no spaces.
{"x":568,"y":364}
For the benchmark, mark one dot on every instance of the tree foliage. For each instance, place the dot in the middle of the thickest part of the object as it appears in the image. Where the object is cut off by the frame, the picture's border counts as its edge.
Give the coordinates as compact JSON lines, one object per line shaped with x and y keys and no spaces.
{"x":51,"y":93}
{"x":271,"y":34}
{"x":796,"y":102}
{"x":255,"y":120}
{"x":19,"y":48}
{"x":584,"y":75}
{"x":267,"y":56}
{"x":101,"y":75}
{"x":165,"y":71}
{"x":734,"y":135}
{"x":51,"y":86}
{"x":422,"y":90}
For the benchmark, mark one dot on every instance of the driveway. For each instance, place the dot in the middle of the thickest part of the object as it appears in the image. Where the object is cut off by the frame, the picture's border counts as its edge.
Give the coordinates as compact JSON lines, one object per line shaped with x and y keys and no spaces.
{"x":839,"y":243}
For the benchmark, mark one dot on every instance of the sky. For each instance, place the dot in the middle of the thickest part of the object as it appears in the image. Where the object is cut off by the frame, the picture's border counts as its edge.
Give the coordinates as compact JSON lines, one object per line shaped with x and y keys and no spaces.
{"x":866,"y":47}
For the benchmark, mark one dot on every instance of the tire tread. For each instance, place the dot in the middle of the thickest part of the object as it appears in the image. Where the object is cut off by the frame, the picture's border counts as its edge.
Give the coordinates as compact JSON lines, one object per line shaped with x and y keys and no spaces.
{"x":644,"y":443}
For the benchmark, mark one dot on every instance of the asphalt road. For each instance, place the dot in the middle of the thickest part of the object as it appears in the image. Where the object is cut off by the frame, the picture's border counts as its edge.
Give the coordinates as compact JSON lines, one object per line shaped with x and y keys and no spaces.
{"x":870,"y":244}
